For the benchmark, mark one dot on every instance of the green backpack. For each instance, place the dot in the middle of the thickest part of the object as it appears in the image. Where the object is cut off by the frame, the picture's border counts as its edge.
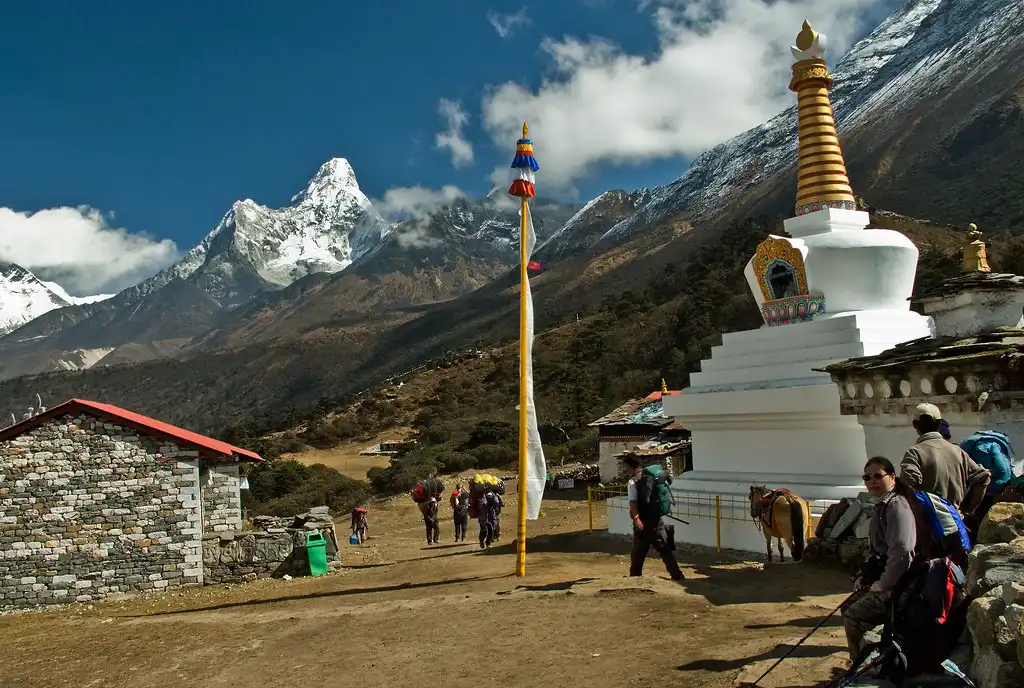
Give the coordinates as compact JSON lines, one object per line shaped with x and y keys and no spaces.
{"x":654,"y":498}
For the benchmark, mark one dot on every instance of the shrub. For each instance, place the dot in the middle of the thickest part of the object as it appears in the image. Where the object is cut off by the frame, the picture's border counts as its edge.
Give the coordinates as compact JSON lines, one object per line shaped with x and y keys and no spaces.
{"x":285,"y":487}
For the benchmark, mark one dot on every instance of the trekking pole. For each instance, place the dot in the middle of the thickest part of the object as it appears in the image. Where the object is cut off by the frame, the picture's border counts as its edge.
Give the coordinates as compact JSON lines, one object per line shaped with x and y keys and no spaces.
{"x":677,"y":519}
{"x":801,"y":641}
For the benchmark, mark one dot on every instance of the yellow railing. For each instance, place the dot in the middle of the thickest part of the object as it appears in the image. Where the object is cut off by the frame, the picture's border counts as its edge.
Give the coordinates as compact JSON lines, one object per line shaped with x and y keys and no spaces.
{"x":698,"y":505}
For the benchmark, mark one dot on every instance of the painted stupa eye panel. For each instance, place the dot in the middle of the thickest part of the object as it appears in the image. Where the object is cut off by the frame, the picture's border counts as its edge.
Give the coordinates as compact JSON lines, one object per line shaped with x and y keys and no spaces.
{"x":778,"y":268}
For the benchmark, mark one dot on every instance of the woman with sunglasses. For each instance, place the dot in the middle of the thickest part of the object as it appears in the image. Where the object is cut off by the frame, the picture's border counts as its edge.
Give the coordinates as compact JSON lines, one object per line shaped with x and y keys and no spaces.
{"x":892,"y":539}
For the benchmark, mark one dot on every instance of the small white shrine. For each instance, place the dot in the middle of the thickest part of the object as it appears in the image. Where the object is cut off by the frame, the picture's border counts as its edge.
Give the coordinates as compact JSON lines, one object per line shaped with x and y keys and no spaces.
{"x":971,"y":369}
{"x":761,"y":410}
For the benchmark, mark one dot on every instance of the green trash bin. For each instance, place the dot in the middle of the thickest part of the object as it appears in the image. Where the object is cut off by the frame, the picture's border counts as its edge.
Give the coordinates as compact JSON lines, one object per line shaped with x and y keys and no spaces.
{"x":316,"y":552}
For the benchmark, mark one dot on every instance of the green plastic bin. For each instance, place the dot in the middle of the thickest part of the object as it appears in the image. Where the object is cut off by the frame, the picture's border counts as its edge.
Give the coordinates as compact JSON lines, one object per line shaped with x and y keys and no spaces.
{"x":316,"y":552}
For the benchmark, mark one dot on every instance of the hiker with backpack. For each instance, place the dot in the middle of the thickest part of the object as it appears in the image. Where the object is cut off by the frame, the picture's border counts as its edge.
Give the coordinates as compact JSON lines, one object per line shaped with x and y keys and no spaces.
{"x":992,"y":450}
{"x":892,"y":540}
{"x":912,"y":583}
{"x":430,"y":520}
{"x":940,"y":467}
{"x":649,"y":501}
{"x":490,"y":506}
{"x":460,"y":512}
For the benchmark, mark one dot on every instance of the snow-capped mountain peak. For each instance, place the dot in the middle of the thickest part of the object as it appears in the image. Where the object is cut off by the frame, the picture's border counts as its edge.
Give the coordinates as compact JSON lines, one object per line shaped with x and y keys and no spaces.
{"x":334,"y":178}
{"x":254,"y":248}
{"x":24,"y":297}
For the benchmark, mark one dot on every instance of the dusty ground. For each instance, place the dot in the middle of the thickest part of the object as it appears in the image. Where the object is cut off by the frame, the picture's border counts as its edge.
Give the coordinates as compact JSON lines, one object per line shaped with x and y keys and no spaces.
{"x":400,"y":608}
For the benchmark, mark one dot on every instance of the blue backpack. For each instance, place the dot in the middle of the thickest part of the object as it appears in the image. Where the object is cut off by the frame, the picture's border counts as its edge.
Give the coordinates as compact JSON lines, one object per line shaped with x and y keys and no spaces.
{"x":993,"y":451}
{"x":941,"y":523}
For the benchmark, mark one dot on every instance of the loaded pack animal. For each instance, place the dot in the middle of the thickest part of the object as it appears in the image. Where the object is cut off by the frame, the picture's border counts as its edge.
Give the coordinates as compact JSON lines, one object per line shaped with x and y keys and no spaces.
{"x":782,"y":515}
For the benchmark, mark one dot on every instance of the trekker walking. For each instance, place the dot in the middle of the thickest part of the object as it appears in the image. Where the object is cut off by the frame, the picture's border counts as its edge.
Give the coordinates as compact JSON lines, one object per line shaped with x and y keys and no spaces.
{"x":460,"y":512}
{"x":360,"y":526}
{"x":940,"y":467}
{"x":429,"y":510}
{"x":490,"y":505}
{"x":892,"y":539}
{"x":648,"y":526}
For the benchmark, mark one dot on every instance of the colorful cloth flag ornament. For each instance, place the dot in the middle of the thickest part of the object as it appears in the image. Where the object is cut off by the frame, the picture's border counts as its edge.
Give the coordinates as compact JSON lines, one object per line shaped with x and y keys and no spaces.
{"x":525,"y":166}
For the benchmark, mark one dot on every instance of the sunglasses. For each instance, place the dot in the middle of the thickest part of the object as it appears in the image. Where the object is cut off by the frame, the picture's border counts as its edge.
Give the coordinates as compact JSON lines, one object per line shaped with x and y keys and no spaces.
{"x":873,"y":476}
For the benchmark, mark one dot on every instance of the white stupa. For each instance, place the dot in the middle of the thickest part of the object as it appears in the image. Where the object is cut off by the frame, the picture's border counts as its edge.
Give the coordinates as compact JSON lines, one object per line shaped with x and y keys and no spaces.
{"x":759,"y":410}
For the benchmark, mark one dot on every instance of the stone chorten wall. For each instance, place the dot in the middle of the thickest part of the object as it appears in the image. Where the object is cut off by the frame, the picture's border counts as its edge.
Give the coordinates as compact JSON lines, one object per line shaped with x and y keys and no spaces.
{"x":995,"y":576}
{"x":89,"y":508}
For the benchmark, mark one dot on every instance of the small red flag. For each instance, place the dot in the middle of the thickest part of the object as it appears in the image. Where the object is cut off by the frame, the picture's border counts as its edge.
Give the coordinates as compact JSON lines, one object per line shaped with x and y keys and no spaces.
{"x":533,"y":265}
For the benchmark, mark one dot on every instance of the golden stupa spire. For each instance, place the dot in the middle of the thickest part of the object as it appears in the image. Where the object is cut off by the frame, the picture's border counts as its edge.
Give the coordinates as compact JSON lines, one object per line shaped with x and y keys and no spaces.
{"x":822,"y":182}
{"x":664,"y":387}
{"x":975,"y":258}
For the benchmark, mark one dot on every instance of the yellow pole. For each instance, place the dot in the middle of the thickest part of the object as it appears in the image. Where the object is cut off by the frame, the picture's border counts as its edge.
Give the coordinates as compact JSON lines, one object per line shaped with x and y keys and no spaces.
{"x":718,"y":522}
{"x":590,"y":507}
{"x":521,"y":535}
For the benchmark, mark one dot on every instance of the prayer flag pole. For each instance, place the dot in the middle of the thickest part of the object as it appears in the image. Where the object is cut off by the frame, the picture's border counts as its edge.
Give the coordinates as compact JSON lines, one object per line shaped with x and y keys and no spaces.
{"x":525,"y":165}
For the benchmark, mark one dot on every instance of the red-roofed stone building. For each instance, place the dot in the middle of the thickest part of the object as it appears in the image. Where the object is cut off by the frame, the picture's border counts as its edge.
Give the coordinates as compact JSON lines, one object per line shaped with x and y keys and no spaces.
{"x":95,"y":499}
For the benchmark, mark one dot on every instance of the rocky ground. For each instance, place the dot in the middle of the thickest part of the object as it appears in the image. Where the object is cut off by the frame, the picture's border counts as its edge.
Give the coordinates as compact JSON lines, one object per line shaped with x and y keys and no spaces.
{"x":400,"y":607}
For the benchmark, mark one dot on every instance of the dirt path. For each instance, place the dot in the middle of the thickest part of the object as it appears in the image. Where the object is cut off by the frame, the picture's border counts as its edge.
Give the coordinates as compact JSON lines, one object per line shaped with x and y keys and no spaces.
{"x":400,"y":607}
{"x":346,"y":459}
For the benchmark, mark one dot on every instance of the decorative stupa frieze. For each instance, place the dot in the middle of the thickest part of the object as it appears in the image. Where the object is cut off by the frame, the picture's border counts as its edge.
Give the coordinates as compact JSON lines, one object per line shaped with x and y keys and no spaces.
{"x":822,"y":181}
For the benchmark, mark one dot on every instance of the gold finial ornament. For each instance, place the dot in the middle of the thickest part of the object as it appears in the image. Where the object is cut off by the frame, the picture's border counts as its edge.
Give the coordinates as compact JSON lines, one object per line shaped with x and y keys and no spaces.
{"x":664,"y":387}
{"x":822,"y":181}
{"x":805,"y":39}
{"x":526,"y":130}
{"x":975,"y":255}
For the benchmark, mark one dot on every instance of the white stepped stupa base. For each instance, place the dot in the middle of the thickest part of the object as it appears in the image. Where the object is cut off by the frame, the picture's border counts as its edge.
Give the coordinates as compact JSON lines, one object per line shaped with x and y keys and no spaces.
{"x":760,"y":414}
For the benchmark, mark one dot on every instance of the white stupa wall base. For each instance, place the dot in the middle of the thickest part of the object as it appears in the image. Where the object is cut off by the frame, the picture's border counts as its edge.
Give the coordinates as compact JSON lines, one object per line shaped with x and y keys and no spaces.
{"x":696,"y":506}
{"x":970,"y":312}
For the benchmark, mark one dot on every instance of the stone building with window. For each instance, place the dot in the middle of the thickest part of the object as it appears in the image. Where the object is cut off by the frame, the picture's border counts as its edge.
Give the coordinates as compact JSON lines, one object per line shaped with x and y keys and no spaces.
{"x":633,"y":423}
{"x":95,"y":499}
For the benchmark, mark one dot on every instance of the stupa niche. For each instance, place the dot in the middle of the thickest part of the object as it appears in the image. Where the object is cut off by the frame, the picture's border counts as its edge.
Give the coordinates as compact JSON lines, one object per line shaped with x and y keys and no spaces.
{"x":761,"y":409}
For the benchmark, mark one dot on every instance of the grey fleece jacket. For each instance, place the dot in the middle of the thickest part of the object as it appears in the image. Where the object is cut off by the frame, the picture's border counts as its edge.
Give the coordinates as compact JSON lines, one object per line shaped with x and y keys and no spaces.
{"x":942,"y":468}
{"x":893,"y":536}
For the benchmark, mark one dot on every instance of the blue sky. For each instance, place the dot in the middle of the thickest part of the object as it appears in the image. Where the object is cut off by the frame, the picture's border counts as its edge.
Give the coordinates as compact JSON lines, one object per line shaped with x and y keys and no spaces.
{"x":160,"y":114}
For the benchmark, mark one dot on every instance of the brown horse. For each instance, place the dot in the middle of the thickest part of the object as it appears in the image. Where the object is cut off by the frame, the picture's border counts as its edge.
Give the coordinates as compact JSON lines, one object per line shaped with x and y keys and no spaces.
{"x":782,"y":515}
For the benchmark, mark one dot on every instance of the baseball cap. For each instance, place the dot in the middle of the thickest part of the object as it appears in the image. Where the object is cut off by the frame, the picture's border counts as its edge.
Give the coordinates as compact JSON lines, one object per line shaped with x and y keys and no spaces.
{"x":930,"y":410}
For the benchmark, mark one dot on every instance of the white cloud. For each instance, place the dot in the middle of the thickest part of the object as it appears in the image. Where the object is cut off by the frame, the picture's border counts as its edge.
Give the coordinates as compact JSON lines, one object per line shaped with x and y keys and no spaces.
{"x":723,"y":67}
{"x":76,"y":248}
{"x":505,"y":24}
{"x":415,"y":201}
{"x":451,"y":138}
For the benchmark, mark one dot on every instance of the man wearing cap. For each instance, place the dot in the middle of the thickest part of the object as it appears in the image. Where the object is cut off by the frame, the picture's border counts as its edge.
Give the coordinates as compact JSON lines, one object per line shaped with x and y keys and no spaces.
{"x":940,"y":467}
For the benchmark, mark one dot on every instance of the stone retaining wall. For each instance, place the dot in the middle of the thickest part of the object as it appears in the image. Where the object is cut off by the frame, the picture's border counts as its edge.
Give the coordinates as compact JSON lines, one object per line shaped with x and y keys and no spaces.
{"x":240,"y":557}
{"x":995,"y":576}
{"x":88,"y":508}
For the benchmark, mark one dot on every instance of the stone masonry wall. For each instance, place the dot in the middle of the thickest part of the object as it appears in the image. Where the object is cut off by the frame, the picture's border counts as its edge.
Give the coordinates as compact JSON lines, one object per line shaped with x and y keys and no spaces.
{"x":230,"y":557}
{"x":88,"y":508}
{"x":995,"y":577}
{"x":222,"y":500}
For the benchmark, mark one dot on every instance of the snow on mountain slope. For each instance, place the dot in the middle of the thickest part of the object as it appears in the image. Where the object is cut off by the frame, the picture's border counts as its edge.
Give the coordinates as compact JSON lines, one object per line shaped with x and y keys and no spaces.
{"x":74,"y":300}
{"x":254,"y":248}
{"x":910,"y":58}
{"x":23,"y":297}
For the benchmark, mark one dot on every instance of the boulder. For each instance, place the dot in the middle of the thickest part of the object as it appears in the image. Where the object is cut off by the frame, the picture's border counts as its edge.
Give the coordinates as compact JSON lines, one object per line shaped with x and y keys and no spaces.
{"x":991,"y":566}
{"x":1004,"y":522}
{"x":1007,"y":626}
{"x":981,"y":619}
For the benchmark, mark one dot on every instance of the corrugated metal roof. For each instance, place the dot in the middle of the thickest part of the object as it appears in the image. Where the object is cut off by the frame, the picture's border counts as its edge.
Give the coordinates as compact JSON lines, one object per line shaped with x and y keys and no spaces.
{"x":145,"y":424}
{"x":644,"y":411}
{"x":656,"y":448}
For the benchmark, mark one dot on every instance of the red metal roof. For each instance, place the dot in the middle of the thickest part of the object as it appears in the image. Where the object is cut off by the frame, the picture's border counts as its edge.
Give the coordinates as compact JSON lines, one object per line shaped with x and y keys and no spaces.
{"x":145,"y":424}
